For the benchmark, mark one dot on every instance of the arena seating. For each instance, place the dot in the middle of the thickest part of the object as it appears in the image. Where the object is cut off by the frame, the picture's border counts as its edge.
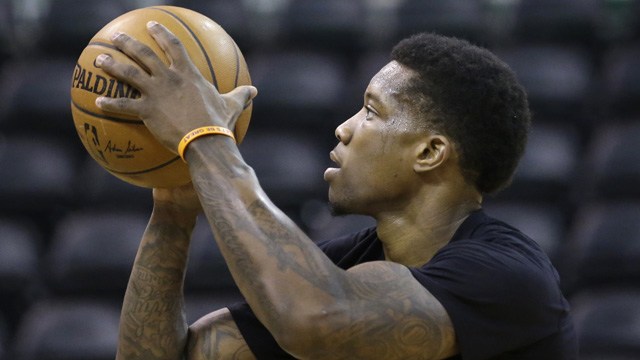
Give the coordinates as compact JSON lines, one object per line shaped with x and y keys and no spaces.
{"x":69,"y":230}
{"x":91,"y":252}
{"x":69,"y":329}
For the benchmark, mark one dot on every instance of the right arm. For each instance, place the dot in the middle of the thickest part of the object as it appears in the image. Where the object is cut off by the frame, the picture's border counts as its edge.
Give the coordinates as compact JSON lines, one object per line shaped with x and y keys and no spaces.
{"x":152,"y":320}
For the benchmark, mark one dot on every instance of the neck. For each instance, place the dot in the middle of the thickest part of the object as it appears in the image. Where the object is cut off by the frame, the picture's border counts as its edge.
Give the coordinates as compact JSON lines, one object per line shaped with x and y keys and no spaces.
{"x":413,"y":235}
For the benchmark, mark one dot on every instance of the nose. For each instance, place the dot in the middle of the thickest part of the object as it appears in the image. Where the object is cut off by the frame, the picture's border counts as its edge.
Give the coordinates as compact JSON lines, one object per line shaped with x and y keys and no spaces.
{"x":344,"y":132}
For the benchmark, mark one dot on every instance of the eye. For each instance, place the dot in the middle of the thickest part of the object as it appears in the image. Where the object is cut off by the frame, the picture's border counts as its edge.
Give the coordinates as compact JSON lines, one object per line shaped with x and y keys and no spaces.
{"x":368,"y":112}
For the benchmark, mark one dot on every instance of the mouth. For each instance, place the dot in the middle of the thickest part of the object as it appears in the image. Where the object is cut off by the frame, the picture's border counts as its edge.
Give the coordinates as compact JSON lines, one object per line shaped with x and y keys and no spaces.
{"x":331,"y":172}
{"x":334,"y":158}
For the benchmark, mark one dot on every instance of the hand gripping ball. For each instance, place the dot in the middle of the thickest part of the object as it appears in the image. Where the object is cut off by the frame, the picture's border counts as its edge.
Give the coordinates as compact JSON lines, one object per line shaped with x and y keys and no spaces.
{"x":122,"y":144}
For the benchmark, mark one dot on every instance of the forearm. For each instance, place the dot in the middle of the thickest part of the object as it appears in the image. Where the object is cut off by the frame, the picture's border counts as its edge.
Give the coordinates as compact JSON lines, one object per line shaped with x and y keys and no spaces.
{"x":276,"y":266}
{"x":152,"y":322}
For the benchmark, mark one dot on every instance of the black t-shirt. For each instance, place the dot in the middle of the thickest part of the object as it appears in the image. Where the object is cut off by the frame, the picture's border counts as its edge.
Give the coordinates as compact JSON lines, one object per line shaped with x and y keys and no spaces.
{"x":498,"y":287}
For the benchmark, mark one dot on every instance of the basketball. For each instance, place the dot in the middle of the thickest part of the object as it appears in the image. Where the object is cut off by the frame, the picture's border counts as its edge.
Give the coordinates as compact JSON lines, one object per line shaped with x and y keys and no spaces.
{"x":122,"y":144}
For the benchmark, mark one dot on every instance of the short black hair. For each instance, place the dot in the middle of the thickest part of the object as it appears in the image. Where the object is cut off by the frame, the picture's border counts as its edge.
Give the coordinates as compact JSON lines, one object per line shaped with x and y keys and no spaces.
{"x":475,"y":99}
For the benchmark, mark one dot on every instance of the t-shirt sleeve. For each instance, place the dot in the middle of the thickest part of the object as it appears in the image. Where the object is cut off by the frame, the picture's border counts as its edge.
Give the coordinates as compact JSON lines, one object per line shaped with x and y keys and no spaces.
{"x":498,"y":298}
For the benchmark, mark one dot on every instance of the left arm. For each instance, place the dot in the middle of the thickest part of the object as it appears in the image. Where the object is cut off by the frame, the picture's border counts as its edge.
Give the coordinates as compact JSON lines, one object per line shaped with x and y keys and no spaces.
{"x":313,"y":308}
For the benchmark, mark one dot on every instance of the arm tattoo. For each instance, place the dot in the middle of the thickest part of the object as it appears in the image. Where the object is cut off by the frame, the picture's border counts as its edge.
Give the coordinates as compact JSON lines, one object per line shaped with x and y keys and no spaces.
{"x":284,"y":245}
{"x":221,"y":341}
{"x":153,"y":324}
{"x":390,"y":316}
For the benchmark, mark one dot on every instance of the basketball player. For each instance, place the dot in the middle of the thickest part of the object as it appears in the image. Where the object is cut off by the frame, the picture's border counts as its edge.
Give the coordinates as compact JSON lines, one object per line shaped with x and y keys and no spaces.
{"x":442,"y":124}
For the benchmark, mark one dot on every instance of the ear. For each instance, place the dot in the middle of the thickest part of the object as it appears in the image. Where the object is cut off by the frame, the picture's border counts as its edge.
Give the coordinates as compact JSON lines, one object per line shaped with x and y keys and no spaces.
{"x":432,"y":152}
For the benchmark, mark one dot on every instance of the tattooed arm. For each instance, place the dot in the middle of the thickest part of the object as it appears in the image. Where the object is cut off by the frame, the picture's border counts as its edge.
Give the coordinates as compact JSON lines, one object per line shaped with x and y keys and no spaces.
{"x":216,"y":336}
{"x":313,"y":308}
{"x":152,"y":323}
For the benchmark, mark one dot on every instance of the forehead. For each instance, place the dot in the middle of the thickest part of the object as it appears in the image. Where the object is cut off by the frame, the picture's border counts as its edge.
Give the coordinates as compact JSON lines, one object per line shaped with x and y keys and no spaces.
{"x":390,"y":82}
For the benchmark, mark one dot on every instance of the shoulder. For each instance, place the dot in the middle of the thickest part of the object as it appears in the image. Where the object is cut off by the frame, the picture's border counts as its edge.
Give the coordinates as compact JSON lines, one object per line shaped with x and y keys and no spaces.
{"x":496,"y":263}
{"x":493,"y":275}
{"x":492,"y":249}
{"x":486,"y":238}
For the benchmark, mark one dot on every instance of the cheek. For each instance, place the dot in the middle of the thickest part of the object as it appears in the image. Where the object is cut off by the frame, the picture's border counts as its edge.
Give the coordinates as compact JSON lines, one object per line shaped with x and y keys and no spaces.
{"x":386,"y":173}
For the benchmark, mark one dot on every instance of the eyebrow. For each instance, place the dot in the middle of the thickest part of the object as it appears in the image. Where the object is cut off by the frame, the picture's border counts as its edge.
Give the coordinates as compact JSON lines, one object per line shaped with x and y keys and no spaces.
{"x":371,"y":96}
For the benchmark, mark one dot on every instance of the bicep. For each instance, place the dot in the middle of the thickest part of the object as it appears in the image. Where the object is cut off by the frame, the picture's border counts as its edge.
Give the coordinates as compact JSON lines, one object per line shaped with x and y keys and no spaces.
{"x":394,"y":317}
{"x":216,"y":336}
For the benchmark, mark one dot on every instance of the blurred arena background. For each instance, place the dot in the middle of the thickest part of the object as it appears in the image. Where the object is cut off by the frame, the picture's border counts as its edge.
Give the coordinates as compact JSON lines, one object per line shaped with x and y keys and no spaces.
{"x":69,"y":230}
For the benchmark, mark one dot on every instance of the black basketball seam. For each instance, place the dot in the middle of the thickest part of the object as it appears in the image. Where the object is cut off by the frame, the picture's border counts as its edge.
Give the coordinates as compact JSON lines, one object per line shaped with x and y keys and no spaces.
{"x":103,"y":44}
{"x":107,"y":117}
{"x":138,"y":172}
{"x":236,"y":50}
{"x":197,"y":40}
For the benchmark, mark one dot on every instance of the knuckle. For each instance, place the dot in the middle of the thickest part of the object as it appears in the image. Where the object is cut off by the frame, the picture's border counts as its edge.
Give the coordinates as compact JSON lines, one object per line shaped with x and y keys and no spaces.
{"x":123,"y":41}
{"x":146,"y":51}
{"x":121,"y":103}
{"x":131,"y":72}
{"x":174,"y":41}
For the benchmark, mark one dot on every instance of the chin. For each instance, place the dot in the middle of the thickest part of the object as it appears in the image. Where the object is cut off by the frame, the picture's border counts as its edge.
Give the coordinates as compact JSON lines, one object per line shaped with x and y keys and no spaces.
{"x":337,"y":209}
{"x":340,"y":204}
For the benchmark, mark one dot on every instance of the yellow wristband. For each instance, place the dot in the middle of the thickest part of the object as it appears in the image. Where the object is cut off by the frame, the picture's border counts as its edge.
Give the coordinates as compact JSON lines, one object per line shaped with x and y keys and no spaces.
{"x":202,"y":131}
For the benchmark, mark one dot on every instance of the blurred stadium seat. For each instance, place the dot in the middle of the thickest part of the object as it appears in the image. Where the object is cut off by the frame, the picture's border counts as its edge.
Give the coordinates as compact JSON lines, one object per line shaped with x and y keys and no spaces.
{"x":96,"y":189}
{"x":607,"y":324}
{"x":613,"y":162}
{"x":603,"y":249}
{"x":545,"y":171}
{"x":20,"y":250}
{"x":37,"y":175}
{"x":621,"y":73}
{"x":460,"y":18}
{"x":207,"y":271}
{"x":558,"y":79}
{"x":19,"y":254}
{"x":365,"y":68}
{"x":91,"y":253}
{"x":6,"y":31}
{"x":299,"y":90}
{"x":289,"y":166}
{"x":328,"y":25}
{"x":573,"y":22}
{"x":619,"y":21}
{"x":3,"y":338}
{"x":35,"y":97}
{"x":68,"y":25}
{"x":68,"y":330}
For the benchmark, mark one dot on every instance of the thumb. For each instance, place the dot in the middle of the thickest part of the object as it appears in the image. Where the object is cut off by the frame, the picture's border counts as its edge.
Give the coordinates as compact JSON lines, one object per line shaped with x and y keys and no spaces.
{"x":242,"y":95}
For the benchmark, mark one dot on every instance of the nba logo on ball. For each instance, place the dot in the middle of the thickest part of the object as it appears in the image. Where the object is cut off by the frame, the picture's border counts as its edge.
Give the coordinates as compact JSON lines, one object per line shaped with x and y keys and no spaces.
{"x":122,"y":144}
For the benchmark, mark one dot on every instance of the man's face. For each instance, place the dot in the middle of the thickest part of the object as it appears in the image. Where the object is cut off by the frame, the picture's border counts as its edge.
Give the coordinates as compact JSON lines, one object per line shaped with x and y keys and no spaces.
{"x":376,"y":149}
